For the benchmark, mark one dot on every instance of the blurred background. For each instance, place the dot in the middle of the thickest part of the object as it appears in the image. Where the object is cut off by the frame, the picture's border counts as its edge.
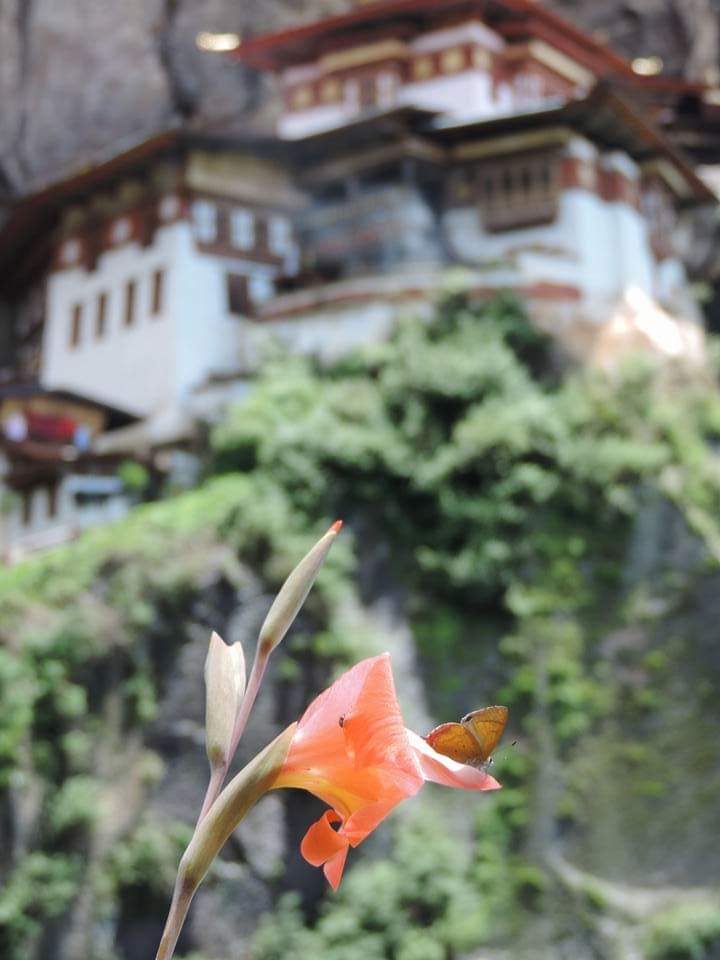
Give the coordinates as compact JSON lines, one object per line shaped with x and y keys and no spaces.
{"x":446,"y":270}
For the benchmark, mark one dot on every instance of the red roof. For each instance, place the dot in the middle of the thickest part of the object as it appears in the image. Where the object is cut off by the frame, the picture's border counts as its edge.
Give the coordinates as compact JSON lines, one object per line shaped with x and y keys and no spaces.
{"x":26,"y":233}
{"x":512,"y":19}
{"x":25,"y":237}
{"x":302,"y":43}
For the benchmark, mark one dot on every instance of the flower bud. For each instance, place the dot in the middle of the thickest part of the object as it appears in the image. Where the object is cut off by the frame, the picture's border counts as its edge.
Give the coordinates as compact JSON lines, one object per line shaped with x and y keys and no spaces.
{"x":224,"y":690}
{"x":293,"y":592}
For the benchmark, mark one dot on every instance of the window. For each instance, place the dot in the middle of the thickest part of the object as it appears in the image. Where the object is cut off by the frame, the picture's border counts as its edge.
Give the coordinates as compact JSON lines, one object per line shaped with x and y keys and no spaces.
{"x":76,"y":326}
{"x":453,"y":60}
{"x":368,"y":92}
{"x":301,"y":98}
{"x":70,"y":252}
{"x":130,"y":298}
{"x":423,"y":68}
{"x":101,"y":316}
{"x":260,"y":288}
{"x":156,"y":295}
{"x":261,"y":234}
{"x":386,"y":88}
{"x":244,"y":294}
{"x":121,"y":230}
{"x":242,"y":229}
{"x":518,"y":191}
{"x":170,"y":207}
{"x":279,"y":235}
{"x":330,"y":90}
{"x":238,"y":302}
{"x":205,"y":221}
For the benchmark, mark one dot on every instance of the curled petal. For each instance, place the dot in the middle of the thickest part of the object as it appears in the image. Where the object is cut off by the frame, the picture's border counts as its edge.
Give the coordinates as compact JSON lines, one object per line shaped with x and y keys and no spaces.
{"x":450,"y":773}
{"x":321,"y":842}
{"x":323,"y":846}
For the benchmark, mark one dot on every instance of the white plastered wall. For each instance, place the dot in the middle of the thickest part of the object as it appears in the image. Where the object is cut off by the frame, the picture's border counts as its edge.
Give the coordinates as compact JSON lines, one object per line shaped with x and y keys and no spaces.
{"x":467,"y":94}
{"x":157,"y":360}
{"x":600,"y":247}
{"x":327,"y":334}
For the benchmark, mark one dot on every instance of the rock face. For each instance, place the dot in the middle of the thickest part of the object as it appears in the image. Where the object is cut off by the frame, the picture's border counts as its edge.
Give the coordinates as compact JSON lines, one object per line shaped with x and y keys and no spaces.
{"x":684,"y":33}
{"x":81,"y":78}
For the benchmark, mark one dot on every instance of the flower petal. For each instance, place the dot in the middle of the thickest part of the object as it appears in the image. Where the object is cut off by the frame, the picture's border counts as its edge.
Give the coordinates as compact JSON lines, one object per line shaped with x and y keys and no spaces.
{"x":450,"y":773}
{"x":374,"y":731}
{"x":325,"y":711}
{"x":321,"y":843}
{"x":352,"y":736}
{"x":334,"y":867}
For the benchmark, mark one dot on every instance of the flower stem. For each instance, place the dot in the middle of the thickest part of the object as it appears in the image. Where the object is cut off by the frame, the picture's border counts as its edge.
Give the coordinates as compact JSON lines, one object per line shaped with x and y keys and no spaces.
{"x":256,"y":674}
{"x":241,"y":793}
{"x":182,"y":897}
{"x":217,"y":778}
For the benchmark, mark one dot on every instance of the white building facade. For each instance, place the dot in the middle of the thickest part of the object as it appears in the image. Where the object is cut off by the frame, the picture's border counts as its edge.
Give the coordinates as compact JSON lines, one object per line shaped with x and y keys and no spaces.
{"x":413,"y":138}
{"x":151,"y":317}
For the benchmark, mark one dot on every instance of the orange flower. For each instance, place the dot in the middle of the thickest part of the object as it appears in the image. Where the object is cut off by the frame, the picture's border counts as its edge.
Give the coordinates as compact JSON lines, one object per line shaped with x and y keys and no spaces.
{"x":351,"y":749}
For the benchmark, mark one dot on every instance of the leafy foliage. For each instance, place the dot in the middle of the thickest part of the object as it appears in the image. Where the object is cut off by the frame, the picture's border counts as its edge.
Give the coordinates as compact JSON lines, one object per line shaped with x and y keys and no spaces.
{"x":148,"y":858}
{"x":510,"y":496}
{"x":689,"y":932}
{"x":424,"y":903}
{"x":36,"y":892}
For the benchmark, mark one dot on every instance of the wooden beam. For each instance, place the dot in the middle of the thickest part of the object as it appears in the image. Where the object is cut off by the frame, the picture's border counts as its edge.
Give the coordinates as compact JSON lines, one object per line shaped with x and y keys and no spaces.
{"x":409,"y":148}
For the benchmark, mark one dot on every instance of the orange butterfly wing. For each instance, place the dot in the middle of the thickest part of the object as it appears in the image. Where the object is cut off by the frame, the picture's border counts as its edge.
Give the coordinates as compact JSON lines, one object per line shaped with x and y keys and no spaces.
{"x":486,"y":726}
{"x":453,"y":740}
{"x":473,"y":739}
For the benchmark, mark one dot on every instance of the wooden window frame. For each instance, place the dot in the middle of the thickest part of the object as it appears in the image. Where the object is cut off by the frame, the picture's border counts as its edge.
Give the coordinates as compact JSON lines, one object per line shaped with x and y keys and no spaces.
{"x":101,"y":315}
{"x":262,"y":235}
{"x":518,"y":191}
{"x":157,"y":292}
{"x":130,"y":304}
{"x":237,"y":295}
{"x":76,"y":325}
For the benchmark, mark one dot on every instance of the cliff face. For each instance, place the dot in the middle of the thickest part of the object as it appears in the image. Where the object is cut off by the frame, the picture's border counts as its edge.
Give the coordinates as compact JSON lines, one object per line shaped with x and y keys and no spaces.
{"x":79,"y":78}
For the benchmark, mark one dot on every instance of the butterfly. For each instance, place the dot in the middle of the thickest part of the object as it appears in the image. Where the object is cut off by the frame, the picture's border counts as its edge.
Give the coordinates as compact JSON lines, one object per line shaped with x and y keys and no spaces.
{"x":473,"y":739}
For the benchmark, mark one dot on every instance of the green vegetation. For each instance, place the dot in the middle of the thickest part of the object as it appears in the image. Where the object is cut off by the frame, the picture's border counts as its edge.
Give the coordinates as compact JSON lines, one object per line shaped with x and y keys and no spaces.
{"x":148,"y":858}
{"x":89,"y":636}
{"x":404,"y":907}
{"x":690,"y":932}
{"x":36,"y":893}
{"x":533,"y":528}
